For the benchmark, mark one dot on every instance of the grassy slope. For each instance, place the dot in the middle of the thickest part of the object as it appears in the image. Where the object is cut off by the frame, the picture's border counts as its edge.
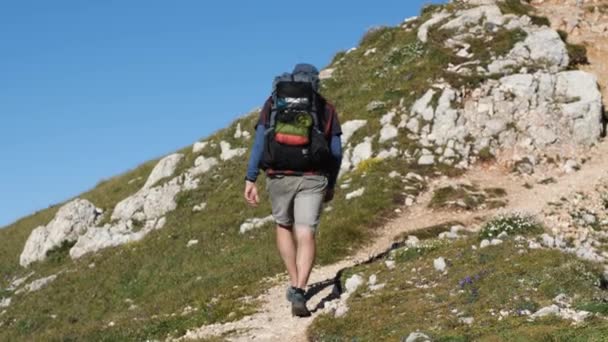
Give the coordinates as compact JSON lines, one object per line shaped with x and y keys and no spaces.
{"x":502,"y":278}
{"x":160,"y":276}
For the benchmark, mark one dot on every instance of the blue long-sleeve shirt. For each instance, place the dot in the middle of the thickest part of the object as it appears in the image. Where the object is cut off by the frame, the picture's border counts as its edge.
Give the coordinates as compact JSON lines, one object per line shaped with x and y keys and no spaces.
{"x":258,"y":150}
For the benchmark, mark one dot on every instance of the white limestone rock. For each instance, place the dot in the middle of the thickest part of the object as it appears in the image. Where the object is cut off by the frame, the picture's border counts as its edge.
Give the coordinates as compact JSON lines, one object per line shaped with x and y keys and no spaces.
{"x":192,"y":243}
{"x":412,"y":241}
{"x":19,"y":281}
{"x":357,"y":193}
{"x":349,"y":128}
{"x":439,"y":264}
{"x":203,"y":164}
{"x":374,"y":105}
{"x":71,"y":221}
{"x":199,"y":207}
{"x":546,"y":311}
{"x":352,"y":284}
{"x":253,"y":223}
{"x":391,"y":153}
{"x":228,"y":153}
{"x":417,"y":337}
{"x":199,"y":146}
{"x":426,"y":159}
{"x":422,"y":106}
{"x":326,"y":73}
{"x":370,"y":52}
{"x":387,"y":133}
{"x":39,"y":283}
{"x":362,"y":152}
{"x":473,"y":16}
{"x":153,"y":203}
{"x":423,"y":30}
{"x":584,"y":104}
{"x":239,"y":133}
{"x":107,"y":236}
{"x":545,"y":45}
{"x":165,"y":168}
{"x":5,"y":303}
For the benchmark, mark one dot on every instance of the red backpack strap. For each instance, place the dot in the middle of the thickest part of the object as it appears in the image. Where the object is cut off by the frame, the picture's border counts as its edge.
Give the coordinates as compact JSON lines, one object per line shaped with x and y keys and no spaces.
{"x":330,"y":112}
{"x":265,"y":113}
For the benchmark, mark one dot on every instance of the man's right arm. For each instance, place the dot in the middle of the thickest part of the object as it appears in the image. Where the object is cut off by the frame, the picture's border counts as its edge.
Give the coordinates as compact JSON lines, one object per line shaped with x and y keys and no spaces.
{"x":253,"y":169}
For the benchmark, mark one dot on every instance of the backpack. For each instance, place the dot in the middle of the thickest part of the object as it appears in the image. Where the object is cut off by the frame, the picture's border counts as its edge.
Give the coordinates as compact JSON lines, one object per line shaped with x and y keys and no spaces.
{"x":294,"y":138}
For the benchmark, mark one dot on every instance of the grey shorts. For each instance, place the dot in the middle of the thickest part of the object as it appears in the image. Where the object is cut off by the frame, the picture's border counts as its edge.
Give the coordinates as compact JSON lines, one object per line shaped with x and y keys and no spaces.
{"x":297,"y":199}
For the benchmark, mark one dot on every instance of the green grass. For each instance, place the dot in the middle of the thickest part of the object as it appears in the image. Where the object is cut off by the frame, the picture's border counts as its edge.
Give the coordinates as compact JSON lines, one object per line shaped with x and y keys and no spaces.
{"x":496,"y":278}
{"x":467,"y":197}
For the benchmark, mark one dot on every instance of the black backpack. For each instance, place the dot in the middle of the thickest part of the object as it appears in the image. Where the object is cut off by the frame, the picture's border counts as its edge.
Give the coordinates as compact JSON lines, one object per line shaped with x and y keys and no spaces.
{"x":294,"y":138}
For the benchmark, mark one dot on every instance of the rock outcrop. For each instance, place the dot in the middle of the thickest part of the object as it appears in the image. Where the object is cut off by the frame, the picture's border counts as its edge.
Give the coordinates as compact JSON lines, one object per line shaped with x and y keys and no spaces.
{"x":71,"y":221}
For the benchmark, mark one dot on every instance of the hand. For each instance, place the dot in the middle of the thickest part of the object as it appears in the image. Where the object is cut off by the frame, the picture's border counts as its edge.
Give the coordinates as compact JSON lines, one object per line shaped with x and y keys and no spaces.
{"x":329,"y":195}
{"x":251,"y":194}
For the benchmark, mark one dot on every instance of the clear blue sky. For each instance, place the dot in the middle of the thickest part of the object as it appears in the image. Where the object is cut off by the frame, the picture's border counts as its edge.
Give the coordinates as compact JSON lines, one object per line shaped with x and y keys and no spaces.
{"x":90,"y":89}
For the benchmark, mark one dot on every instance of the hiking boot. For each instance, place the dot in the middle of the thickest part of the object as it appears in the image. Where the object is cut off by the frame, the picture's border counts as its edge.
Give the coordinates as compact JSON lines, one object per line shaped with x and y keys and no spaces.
{"x":298,"y":305}
{"x":291,"y":292}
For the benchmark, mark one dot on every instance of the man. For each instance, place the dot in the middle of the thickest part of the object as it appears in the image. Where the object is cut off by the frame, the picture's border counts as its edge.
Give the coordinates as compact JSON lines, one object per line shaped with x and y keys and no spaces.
{"x":297,"y":191}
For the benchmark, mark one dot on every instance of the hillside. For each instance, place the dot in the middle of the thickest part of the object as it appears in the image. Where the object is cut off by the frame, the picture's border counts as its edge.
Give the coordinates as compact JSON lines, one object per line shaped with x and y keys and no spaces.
{"x":473,"y":109}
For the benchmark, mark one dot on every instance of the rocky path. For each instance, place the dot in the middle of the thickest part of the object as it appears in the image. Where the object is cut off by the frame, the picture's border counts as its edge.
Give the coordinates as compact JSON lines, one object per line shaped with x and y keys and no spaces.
{"x":273,"y":322}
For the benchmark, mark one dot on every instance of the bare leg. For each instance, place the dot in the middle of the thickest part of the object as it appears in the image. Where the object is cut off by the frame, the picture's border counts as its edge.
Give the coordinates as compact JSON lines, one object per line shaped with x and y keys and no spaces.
{"x":287,"y":250}
{"x":305,"y":257}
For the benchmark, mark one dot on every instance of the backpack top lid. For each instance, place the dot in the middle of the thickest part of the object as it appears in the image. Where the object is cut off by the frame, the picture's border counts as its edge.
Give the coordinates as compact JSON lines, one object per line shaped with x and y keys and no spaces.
{"x":302,"y":82}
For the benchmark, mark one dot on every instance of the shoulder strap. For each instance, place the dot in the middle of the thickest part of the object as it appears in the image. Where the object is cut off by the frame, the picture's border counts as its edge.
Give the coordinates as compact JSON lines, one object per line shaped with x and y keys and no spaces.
{"x":330,"y":111}
{"x":266,"y":111}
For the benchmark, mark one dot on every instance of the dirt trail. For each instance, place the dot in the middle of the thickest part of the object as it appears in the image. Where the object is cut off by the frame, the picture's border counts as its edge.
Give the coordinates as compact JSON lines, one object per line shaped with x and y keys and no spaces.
{"x":273,"y":322}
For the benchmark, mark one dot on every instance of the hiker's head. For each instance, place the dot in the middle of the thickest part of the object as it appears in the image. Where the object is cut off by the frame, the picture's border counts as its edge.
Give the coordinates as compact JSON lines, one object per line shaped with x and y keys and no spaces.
{"x":305,"y":68}
{"x":308,"y":73}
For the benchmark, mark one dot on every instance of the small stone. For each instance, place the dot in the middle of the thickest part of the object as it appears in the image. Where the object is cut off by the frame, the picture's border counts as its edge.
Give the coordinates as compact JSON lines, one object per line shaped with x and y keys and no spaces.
{"x":355,"y":194}
{"x":546,"y":311}
{"x":439,"y":264}
{"x":466,"y":320}
{"x":192,"y":243}
{"x":390,"y":264}
{"x":373,"y":279}
{"x":199,"y":207}
{"x":484,"y":243}
{"x":409,"y":201}
{"x":417,"y":337}
{"x":562,"y":300}
{"x":495,"y":242}
{"x":375,"y":105}
{"x":353,"y":283}
{"x":412,"y":241}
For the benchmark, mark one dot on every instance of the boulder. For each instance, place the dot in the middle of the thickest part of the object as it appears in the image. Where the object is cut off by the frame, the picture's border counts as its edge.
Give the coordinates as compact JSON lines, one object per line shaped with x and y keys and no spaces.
{"x":71,"y":221}
{"x":165,"y":168}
